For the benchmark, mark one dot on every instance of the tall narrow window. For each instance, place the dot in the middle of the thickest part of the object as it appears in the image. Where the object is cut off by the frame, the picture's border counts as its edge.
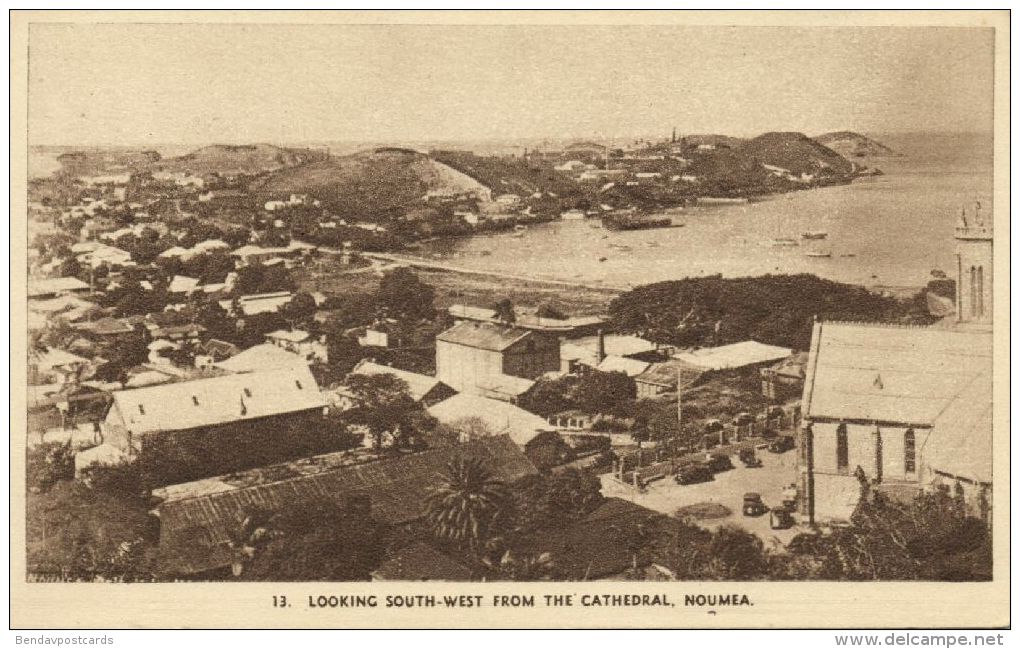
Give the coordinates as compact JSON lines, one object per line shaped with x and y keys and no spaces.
{"x":909,"y":452}
{"x":842,"y":450}
{"x":980,"y":295}
{"x":973,"y":291}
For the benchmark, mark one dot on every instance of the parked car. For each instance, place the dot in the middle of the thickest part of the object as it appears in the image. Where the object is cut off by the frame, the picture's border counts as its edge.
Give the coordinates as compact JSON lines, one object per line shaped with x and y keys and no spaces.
{"x":694,"y":473}
{"x":782,"y":444}
{"x":753,"y":505}
{"x":719,"y":462}
{"x":749,"y":458}
{"x":780,"y":519}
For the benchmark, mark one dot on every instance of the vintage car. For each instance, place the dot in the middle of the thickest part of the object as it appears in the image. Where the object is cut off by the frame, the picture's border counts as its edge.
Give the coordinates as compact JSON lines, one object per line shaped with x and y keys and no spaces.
{"x":782,"y":444}
{"x":780,"y":519}
{"x":694,"y":473}
{"x":749,"y":458}
{"x":753,"y":505}
{"x":718,"y":462}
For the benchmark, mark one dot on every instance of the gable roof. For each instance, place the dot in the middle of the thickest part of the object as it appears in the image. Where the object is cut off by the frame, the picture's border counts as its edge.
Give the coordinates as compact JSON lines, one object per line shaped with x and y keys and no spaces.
{"x":502,"y":418}
{"x":194,"y":532}
{"x":218,"y":400}
{"x":419,"y":385}
{"x":183,"y":284}
{"x":483,"y":335}
{"x":629,"y":366}
{"x":885,"y":373}
{"x":261,"y":357}
{"x":742,"y":354}
{"x":667,"y":373}
{"x":54,"y":285}
{"x":961,"y":444}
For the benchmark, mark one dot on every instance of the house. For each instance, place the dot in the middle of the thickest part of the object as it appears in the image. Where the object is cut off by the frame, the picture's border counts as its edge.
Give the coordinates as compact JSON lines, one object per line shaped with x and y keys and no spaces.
{"x":264,"y":397}
{"x":508,"y":200}
{"x":737,"y":355}
{"x":908,"y":408}
{"x":258,"y":303}
{"x":219,"y":350}
{"x":68,"y":307}
{"x":55,"y":366}
{"x":469,"y":352}
{"x":664,"y":377}
{"x":105,"y":329}
{"x":197,"y":520}
{"x":591,"y":351}
{"x":570,"y":165}
{"x":504,"y":387}
{"x":299,"y":342}
{"x":423,"y":388}
{"x":601,"y":545}
{"x":573,"y":215}
{"x":785,"y":379}
{"x":422,"y":562}
{"x":182,"y":285}
{"x":374,"y":338}
{"x":261,"y":357}
{"x":531,"y":433}
{"x":54,"y":287}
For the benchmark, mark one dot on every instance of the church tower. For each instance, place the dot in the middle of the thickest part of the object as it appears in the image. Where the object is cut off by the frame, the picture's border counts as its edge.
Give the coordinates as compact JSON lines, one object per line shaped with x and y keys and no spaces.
{"x":974,"y":267}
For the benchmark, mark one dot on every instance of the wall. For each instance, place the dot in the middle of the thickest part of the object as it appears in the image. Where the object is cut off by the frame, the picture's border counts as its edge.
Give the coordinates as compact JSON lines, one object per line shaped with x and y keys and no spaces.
{"x":460,"y":366}
{"x":531,"y":357}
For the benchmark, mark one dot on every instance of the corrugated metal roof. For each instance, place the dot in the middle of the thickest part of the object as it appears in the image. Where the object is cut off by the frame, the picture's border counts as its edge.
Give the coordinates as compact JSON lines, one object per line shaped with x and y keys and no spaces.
{"x":219,"y":400}
{"x":500,"y":417}
{"x":194,"y":532}
{"x":261,"y":357}
{"x":419,"y":385}
{"x":483,"y":335}
{"x":742,"y":354}
{"x":628,"y":366}
{"x":888,"y":373}
{"x":961,"y":444}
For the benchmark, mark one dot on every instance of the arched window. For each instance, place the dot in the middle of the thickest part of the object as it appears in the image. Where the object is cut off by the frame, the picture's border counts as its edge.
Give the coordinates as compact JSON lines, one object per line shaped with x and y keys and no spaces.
{"x":980,"y":295}
{"x":842,"y":450}
{"x":909,"y":452}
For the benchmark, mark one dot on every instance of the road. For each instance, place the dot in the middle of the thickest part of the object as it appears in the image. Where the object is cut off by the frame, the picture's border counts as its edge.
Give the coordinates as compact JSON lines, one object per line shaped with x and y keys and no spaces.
{"x":418,"y":262}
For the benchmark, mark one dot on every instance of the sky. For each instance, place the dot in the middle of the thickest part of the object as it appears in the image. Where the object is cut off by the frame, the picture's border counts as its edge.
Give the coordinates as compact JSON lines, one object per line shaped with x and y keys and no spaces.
{"x":199,"y":84}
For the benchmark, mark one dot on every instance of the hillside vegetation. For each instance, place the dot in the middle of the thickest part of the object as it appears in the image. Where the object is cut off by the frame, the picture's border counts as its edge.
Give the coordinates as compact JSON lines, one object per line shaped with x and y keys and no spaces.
{"x":854,"y":145}
{"x":237,"y":159}
{"x":373,"y":183}
{"x":772,"y":309}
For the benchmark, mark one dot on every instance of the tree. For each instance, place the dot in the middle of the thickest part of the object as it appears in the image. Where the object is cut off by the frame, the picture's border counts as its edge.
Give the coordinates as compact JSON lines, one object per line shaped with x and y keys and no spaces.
{"x":505,"y":311}
{"x":129,"y":353}
{"x":48,"y":464}
{"x":549,"y":311}
{"x":384,"y":406}
{"x":403,"y":296}
{"x":300,"y":308}
{"x":342,"y":351}
{"x":604,"y":392}
{"x":469,"y":506}
{"x":549,"y":396}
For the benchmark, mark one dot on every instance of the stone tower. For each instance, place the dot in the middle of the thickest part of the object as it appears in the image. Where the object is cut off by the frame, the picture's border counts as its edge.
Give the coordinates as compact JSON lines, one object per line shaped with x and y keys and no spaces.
{"x":974,"y":266}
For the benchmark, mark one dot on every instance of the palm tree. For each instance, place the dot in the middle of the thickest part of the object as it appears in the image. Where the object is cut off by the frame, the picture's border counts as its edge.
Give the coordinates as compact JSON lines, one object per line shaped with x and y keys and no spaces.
{"x":468,"y":506}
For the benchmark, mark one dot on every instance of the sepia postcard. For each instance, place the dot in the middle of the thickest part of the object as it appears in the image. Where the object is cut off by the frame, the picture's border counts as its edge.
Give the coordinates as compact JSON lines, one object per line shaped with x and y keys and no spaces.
{"x":509,"y":319}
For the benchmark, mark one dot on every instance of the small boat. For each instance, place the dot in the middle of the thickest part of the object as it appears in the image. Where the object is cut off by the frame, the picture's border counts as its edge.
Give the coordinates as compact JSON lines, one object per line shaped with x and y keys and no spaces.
{"x":517,"y":234}
{"x":846,"y":255}
{"x":814,"y":235}
{"x":603,"y":258}
{"x":818,"y":254}
{"x":520,"y":228}
{"x":776,"y":243}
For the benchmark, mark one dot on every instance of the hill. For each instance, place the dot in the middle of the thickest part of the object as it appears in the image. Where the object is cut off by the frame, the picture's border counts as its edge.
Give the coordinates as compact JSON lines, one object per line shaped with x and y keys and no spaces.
{"x":854,"y":145}
{"x":795,"y":152}
{"x":368,"y":183}
{"x":237,"y":159}
{"x":727,"y":141}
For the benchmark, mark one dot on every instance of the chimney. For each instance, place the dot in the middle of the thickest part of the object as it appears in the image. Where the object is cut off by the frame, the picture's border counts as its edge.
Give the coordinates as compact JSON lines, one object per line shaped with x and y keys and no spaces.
{"x":600,"y":347}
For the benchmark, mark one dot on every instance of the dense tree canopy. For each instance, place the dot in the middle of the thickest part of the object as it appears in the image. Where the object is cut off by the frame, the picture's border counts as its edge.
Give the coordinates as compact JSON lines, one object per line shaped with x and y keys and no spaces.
{"x":773,"y":309}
